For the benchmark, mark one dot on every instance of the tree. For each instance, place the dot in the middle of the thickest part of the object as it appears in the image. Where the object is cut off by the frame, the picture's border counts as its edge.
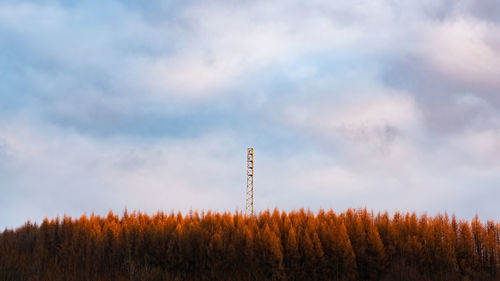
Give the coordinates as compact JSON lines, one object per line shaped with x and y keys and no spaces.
{"x":270,"y":254}
{"x":466,"y":256}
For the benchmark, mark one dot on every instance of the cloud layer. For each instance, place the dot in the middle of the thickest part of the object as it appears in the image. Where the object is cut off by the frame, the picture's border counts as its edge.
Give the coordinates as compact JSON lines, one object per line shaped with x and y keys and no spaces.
{"x":152,"y":105}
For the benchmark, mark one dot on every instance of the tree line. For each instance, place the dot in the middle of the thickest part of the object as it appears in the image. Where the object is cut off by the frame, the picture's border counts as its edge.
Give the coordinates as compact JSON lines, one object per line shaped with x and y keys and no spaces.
{"x":299,"y":245}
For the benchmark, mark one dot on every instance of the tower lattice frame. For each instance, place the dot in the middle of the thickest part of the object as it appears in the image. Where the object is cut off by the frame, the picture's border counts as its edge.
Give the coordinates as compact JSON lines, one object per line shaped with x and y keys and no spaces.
{"x":249,"y":193}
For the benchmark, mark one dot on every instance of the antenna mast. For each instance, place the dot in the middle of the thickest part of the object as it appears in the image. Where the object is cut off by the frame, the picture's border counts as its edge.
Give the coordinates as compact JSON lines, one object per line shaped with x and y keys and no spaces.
{"x":249,"y":209}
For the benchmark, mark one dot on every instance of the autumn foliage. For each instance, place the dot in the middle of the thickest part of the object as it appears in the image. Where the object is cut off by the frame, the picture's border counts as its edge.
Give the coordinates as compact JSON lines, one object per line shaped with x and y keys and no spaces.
{"x":300,"y":245}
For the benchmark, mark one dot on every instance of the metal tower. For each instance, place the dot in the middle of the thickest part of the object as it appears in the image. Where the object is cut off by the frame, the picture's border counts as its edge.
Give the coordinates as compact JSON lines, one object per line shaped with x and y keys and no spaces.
{"x":249,"y":209}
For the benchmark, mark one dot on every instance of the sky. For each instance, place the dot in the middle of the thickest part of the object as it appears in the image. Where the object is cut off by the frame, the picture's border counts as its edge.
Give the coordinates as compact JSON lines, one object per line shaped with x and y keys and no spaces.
{"x":151,"y":105}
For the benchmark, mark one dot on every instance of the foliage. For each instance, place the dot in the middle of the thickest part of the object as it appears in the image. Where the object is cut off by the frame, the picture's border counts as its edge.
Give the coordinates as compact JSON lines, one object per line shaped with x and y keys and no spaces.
{"x":300,"y":245}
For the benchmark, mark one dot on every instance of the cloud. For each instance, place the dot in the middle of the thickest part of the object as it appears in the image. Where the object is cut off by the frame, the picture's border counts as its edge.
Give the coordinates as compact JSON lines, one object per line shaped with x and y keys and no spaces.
{"x":53,"y":171}
{"x":226,"y":42}
{"x":371,"y":118}
{"x":451,"y":63}
{"x":151,"y":105}
{"x":201,"y":52}
{"x":459,"y":50}
{"x":380,"y":147}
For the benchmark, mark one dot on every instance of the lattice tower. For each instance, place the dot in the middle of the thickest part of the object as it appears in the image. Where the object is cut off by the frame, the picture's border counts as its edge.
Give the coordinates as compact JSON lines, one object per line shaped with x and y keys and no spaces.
{"x":249,"y":201}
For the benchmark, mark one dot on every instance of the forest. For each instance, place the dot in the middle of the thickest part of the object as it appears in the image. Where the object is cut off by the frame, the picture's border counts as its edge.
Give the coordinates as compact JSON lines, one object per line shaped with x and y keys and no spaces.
{"x":273,"y":245}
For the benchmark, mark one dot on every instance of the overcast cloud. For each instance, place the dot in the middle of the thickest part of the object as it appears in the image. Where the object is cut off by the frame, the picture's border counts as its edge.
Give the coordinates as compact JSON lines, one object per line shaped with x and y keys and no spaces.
{"x":392,"y":105}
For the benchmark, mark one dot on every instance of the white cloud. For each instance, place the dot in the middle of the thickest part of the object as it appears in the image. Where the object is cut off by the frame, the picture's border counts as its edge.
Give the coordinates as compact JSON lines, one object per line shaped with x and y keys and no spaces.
{"x":480,"y":148}
{"x":201,"y":53}
{"x":350,"y":139}
{"x":371,"y":119}
{"x":383,"y":155}
{"x":55,"y":171}
{"x":462,"y":50}
{"x":225,"y":42}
